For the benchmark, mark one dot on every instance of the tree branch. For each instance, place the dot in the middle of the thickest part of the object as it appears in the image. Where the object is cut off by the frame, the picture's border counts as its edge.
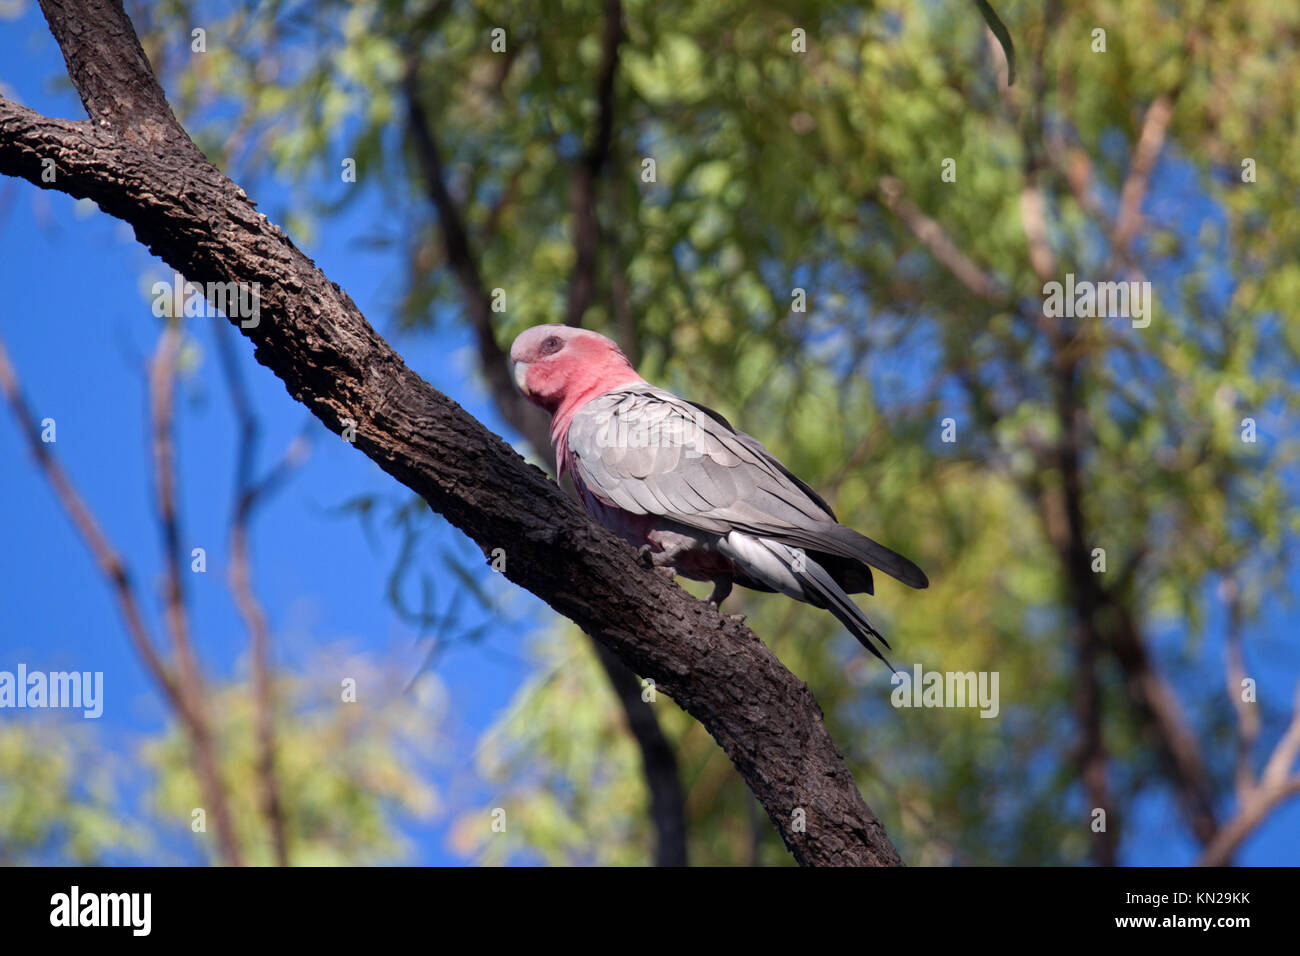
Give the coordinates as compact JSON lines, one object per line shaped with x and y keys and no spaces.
{"x":111,"y":73}
{"x":1251,"y":814}
{"x":1072,"y":547}
{"x":314,"y":338}
{"x":1104,"y":620}
{"x":247,"y":494}
{"x":658,"y":761}
{"x":586,"y":231}
{"x":523,"y":417}
{"x":115,"y":572}
{"x":1155,"y":124}
{"x":105,"y":555}
{"x":663,"y":781}
{"x":1256,"y":799}
{"x":932,"y":236}
{"x":1158,"y":705}
{"x":162,"y":374}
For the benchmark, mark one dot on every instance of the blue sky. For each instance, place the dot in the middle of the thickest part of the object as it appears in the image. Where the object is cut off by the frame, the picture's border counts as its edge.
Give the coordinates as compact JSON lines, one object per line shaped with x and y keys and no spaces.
{"x":78,"y":325}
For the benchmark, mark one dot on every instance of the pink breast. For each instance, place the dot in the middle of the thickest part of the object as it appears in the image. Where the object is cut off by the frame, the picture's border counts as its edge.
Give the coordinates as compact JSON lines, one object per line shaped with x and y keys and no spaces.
{"x":694,"y":560}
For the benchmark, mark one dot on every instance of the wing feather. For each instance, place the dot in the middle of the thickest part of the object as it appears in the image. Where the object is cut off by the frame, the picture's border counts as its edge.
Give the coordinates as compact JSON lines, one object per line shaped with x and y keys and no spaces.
{"x":647,"y":451}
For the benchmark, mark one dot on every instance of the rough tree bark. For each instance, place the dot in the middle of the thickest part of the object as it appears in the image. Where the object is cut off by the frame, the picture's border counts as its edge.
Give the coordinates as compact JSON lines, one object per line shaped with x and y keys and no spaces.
{"x":137,"y":163}
{"x":658,"y":761}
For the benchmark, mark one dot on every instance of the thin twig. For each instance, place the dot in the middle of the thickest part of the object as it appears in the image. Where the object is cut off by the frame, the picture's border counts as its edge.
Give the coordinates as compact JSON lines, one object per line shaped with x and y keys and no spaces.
{"x":162,"y":373}
{"x":115,"y":572}
{"x":247,"y":494}
{"x":1235,"y":672}
{"x":1151,"y":139}
{"x":933,"y":237}
{"x":105,"y":555}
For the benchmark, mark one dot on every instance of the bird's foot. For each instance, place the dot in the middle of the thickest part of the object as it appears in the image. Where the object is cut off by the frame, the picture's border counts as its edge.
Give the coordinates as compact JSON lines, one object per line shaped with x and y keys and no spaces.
{"x":721,"y":588}
{"x":645,"y":556}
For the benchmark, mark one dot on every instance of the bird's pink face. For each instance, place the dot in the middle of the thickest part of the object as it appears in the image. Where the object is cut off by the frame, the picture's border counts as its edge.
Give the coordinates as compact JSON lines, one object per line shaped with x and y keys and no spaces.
{"x":553,"y":364}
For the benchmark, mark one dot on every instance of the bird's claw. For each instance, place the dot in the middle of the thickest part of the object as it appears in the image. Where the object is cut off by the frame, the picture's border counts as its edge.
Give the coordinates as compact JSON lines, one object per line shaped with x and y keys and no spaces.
{"x":645,"y":558}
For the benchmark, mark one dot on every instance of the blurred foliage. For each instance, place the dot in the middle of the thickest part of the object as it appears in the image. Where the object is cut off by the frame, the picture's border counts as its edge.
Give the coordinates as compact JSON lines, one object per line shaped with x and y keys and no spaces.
{"x":60,"y":796}
{"x":768,"y":168}
{"x":584,"y":802}
{"x":349,"y":775}
{"x":348,"y":772}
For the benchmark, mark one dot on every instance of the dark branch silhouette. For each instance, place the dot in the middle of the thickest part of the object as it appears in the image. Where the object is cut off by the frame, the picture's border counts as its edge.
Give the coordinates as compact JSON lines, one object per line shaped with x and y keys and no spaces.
{"x":586,"y":228}
{"x":659,"y":763}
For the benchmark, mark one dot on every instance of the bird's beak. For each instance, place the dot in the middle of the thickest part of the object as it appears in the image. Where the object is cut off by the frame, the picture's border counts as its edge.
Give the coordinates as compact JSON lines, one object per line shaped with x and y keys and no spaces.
{"x":521,"y":375}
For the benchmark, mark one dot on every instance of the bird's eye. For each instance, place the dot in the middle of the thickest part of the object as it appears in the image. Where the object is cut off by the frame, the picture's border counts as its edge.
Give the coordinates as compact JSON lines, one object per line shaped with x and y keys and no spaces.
{"x":552,"y":343}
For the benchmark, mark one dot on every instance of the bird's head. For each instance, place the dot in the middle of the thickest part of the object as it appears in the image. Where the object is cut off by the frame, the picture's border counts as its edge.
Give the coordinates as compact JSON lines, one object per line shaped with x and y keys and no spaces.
{"x":558,"y":365}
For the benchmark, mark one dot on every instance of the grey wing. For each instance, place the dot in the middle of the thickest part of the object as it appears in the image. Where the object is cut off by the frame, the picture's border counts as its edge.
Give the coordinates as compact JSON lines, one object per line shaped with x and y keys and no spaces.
{"x":647,"y":451}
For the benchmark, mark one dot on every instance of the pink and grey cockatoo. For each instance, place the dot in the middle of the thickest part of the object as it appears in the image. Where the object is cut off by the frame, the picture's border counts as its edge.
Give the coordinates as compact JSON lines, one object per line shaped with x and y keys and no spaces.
{"x":695,"y":496}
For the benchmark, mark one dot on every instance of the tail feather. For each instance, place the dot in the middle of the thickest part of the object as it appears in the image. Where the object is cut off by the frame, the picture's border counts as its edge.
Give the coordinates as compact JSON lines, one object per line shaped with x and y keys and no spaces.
{"x":821,"y":590}
{"x":839,"y":540}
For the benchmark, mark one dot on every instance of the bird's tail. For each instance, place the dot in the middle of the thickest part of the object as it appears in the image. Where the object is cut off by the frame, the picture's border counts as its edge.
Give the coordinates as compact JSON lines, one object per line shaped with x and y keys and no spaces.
{"x":833,"y":538}
{"x":821,"y":590}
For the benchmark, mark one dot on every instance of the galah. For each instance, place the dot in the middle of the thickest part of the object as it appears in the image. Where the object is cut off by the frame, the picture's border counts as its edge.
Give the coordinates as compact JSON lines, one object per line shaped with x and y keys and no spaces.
{"x":694,"y":495}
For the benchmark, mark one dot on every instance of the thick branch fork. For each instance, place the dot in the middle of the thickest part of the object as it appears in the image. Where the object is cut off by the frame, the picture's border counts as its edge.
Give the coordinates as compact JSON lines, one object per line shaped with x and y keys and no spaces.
{"x":139,"y":166}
